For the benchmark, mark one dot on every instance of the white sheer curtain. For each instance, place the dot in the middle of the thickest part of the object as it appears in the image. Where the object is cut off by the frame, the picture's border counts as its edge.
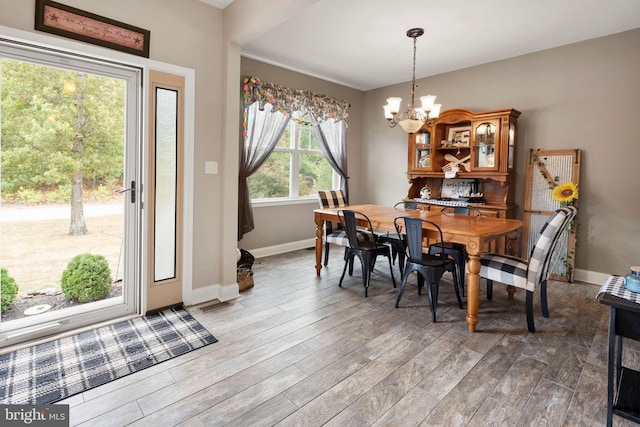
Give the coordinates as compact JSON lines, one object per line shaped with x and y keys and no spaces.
{"x":332,"y":136}
{"x":264,"y":128}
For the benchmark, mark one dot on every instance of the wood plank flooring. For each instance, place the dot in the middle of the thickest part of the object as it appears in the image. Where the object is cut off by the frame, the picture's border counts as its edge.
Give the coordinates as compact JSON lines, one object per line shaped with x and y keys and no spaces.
{"x":297,"y":350}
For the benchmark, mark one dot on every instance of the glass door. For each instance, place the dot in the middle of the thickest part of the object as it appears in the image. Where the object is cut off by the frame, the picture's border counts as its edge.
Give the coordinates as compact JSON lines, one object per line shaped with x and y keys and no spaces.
{"x":70,"y":206}
{"x":485,"y":155}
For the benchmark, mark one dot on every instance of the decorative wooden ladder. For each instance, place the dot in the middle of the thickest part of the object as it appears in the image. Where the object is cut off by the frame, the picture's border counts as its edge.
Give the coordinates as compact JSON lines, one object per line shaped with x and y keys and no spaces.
{"x":545,"y":170}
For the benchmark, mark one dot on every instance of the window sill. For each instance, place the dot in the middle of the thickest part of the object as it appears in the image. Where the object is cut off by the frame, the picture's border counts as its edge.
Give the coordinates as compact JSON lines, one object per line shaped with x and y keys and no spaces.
{"x":259,"y":203}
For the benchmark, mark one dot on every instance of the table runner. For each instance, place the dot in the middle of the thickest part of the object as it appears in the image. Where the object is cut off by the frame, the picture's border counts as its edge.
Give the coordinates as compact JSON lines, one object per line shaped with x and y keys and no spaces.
{"x":614,"y":285}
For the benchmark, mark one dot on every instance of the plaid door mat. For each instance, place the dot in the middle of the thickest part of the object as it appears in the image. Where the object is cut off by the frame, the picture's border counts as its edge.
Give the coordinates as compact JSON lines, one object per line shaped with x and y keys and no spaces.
{"x":53,"y":371}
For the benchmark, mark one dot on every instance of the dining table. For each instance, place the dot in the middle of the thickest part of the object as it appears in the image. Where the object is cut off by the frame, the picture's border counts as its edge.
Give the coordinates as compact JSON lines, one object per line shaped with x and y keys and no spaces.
{"x":479,"y":233}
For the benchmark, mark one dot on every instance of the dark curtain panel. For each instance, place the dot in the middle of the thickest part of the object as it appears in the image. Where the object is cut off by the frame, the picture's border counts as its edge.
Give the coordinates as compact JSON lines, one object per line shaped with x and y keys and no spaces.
{"x":264,"y":129}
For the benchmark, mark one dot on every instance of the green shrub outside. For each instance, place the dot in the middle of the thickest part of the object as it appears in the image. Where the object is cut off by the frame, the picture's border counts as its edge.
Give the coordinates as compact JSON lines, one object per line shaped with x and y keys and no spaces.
{"x":87,"y":278}
{"x":8,"y":290}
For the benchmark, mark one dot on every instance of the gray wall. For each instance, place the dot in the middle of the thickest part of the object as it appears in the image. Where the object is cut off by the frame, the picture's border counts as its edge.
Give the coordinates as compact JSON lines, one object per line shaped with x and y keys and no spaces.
{"x":585,"y":96}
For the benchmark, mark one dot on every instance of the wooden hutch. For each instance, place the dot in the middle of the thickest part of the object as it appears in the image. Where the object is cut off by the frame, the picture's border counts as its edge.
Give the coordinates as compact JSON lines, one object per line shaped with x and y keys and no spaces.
{"x":486,"y":142}
{"x":485,"y":145}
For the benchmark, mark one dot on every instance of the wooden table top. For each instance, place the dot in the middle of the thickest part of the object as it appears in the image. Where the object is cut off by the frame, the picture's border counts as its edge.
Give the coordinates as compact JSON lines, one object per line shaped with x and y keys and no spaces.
{"x":382,"y":218}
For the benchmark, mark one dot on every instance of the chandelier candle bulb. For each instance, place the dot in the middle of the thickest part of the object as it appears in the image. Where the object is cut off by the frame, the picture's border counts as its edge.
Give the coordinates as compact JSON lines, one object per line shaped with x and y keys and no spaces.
{"x":427,"y":102}
{"x":394,"y":105}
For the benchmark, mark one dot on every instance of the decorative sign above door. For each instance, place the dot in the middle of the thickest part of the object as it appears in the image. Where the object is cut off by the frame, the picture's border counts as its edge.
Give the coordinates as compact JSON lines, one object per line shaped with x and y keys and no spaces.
{"x":56,"y":18}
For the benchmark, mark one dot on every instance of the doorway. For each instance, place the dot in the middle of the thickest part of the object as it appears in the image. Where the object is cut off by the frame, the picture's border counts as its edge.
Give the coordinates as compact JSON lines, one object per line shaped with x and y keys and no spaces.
{"x":70,"y":152}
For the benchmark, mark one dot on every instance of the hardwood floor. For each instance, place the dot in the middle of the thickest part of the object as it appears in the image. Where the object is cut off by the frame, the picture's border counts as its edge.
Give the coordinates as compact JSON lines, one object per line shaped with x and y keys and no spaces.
{"x":297,"y":350}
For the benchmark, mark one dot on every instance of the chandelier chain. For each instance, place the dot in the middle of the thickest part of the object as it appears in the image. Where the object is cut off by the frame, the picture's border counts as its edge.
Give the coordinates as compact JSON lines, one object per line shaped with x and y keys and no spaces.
{"x":413,"y":77}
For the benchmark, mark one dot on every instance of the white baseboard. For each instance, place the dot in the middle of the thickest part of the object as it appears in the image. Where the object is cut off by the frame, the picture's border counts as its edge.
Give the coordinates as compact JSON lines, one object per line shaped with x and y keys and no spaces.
{"x":592,"y":277}
{"x":283,"y":248}
{"x":212,"y":293}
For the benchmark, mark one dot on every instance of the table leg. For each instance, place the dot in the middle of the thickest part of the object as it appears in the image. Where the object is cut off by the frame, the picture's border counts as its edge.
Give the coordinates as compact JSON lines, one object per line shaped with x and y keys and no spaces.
{"x":319,"y":238}
{"x":473,"y":291}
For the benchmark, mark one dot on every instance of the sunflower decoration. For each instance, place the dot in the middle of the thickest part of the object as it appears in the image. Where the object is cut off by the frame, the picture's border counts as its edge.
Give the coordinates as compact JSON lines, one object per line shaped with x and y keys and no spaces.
{"x":566,"y":192}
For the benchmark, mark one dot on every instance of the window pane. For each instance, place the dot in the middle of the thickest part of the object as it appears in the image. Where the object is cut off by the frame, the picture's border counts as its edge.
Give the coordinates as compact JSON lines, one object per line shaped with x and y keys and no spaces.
{"x":166,"y":186}
{"x":285,"y":139}
{"x":315,"y":174}
{"x":272,"y":179}
{"x":308,"y":139}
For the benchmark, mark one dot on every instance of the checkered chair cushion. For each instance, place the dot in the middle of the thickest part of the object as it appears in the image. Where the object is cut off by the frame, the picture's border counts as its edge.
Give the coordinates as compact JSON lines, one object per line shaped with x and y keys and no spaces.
{"x":333,"y":231}
{"x":504,"y":269}
{"x":332,"y":199}
{"x":520,"y":273}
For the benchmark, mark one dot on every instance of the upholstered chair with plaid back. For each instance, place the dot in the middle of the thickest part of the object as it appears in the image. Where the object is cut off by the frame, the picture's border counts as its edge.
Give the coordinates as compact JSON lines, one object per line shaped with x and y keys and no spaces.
{"x":528,"y":275}
{"x":333,"y":232}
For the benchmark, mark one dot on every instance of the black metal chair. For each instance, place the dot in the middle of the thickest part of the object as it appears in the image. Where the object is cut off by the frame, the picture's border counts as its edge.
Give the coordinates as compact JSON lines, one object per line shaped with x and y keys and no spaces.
{"x":457,"y":250}
{"x":391,"y":238}
{"x":365,"y":250}
{"x":427,"y":266}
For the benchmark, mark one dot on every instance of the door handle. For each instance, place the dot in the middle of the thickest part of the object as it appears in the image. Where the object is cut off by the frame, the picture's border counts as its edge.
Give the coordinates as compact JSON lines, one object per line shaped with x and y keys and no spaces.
{"x":132,"y":189}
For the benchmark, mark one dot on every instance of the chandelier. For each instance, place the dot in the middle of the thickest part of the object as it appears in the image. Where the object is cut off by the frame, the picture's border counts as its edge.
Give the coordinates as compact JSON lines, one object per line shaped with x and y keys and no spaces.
{"x":412,"y":119}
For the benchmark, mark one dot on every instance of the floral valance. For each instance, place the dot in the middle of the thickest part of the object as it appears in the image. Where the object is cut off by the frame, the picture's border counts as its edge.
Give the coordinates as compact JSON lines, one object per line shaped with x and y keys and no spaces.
{"x":286,"y":101}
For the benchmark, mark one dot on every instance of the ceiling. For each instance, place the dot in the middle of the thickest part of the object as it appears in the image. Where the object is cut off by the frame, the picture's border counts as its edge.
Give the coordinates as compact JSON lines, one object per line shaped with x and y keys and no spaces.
{"x":362,"y":44}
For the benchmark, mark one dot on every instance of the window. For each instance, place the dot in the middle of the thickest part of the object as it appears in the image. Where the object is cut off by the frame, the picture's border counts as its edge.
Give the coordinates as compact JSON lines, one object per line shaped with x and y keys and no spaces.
{"x":296,"y":168}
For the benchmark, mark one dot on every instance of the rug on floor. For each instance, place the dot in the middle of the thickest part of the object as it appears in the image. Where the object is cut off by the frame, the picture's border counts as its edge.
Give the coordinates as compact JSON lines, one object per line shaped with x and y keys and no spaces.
{"x":55,"y":370}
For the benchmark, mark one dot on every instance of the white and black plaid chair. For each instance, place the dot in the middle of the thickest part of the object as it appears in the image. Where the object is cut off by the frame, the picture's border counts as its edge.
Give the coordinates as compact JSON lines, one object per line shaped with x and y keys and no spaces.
{"x":333,"y":232}
{"x":517,"y":272}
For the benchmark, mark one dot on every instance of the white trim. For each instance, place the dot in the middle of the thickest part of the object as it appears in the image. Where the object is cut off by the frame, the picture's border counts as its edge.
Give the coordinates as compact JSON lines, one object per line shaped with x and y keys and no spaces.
{"x":261,"y":203}
{"x":592,"y":277}
{"x":283,"y":248}
{"x":211,"y":293}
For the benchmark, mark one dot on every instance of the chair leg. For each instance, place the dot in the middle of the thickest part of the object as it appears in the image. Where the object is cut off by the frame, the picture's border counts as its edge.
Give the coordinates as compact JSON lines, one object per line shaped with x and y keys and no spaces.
{"x":326,"y":253}
{"x":432,"y":295}
{"x":462,"y":263}
{"x":529,"y":303}
{"x":346,"y":251}
{"x":401,"y":261}
{"x":393,"y":279}
{"x":347,"y":262}
{"x":543,"y":298}
{"x":403,"y":283}
{"x":489,"y":289}
{"x":366,"y":261}
{"x":394,"y":253}
{"x":456,"y":287}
